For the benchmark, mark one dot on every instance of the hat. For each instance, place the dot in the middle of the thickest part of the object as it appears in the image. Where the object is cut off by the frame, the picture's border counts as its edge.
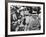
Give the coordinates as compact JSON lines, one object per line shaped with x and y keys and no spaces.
{"x":22,"y":8}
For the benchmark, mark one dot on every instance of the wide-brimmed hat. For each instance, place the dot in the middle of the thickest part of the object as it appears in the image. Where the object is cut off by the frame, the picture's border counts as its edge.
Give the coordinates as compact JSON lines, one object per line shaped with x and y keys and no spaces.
{"x":22,"y":8}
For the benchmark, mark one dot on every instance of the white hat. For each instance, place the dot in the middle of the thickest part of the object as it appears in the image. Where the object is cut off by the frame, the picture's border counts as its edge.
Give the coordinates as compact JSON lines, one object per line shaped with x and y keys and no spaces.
{"x":22,"y":8}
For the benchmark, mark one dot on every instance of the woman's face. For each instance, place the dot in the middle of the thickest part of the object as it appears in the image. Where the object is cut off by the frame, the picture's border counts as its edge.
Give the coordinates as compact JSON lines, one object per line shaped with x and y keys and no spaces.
{"x":26,"y":12}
